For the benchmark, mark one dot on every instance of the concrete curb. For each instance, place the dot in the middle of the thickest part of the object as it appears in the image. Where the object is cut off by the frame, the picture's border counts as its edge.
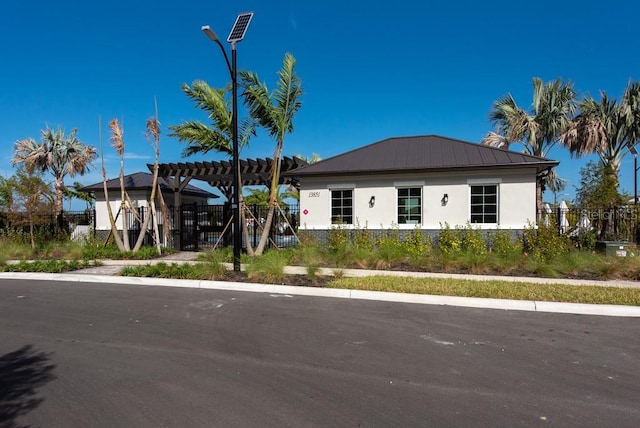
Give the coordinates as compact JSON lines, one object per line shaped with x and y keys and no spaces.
{"x":470,"y":302}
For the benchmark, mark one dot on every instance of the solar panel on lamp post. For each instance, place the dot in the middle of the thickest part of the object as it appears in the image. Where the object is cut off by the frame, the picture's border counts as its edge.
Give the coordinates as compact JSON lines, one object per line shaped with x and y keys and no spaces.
{"x":236,"y":35}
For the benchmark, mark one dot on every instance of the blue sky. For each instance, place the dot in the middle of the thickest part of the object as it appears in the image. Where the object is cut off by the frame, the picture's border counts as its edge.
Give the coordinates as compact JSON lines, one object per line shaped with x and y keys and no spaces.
{"x":370,"y":70}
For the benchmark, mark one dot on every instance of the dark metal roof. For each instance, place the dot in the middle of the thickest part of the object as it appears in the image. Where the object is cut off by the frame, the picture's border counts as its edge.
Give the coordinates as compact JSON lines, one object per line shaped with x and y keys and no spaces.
{"x":421,"y":153}
{"x":220,"y":174}
{"x":143,"y":181}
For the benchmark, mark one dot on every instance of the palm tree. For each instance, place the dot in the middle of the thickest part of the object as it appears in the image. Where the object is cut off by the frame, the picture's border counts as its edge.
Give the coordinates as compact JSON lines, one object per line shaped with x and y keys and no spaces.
{"x":58,"y":154}
{"x":539,"y":129}
{"x":201,"y":138}
{"x":74,"y":192}
{"x":607,"y":128}
{"x":274,"y":112}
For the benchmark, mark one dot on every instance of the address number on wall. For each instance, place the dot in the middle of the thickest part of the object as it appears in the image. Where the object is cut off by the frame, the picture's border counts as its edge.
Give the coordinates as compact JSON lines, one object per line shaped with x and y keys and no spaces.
{"x":314,"y":194}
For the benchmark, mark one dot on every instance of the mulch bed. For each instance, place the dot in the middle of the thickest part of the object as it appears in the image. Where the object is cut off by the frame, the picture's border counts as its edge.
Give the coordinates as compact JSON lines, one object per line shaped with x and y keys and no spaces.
{"x":296,"y":280}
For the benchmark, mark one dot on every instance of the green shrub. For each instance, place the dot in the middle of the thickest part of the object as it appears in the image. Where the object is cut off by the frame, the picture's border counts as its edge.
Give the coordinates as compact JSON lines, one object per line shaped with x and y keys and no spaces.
{"x":338,"y":237}
{"x":449,"y":242}
{"x":269,"y":267}
{"x":584,"y":239}
{"x":213,"y":264}
{"x":503,"y":244}
{"x":111,"y":251}
{"x":362,"y":237}
{"x":50,"y":266}
{"x":471,"y":240}
{"x":545,"y":242}
{"x":417,"y":244}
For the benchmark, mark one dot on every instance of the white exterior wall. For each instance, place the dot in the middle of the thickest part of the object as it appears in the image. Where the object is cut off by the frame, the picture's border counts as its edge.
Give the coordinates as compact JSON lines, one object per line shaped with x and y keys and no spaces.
{"x":516,"y":199}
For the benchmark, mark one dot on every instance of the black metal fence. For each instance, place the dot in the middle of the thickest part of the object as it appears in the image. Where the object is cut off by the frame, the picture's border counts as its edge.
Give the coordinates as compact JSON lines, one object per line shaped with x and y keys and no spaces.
{"x":607,"y":224}
{"x":208,"y":226}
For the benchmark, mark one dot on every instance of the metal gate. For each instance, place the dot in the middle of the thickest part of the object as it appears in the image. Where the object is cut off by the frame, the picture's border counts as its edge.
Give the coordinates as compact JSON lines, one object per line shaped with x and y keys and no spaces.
{"x":204,"y":226}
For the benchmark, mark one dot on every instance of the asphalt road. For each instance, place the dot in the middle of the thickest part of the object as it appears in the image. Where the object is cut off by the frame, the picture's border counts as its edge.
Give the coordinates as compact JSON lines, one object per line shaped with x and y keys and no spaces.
{"x":97,"y":355}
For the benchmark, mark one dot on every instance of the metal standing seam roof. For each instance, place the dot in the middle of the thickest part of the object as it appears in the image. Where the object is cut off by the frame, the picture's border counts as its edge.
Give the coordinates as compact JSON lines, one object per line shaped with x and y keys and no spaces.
{"x":143,"y":181}
{"x":421,"y":153}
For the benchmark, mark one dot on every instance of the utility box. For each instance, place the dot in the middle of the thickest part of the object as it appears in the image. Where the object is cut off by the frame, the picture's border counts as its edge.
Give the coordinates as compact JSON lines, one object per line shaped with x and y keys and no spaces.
{"x":617,"y":248}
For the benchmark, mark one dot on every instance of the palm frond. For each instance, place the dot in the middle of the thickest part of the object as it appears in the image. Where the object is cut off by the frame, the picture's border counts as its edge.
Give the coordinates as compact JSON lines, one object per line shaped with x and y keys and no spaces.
{"x":29,"y":153}
{"x":258,"y":100}
{"x":288,"y":92}
{"x":212,"y":100}
{"x":200,"y":138}
{"x":493,"y":139}
{"x":117,"y":141}
{"x":153,"y":130}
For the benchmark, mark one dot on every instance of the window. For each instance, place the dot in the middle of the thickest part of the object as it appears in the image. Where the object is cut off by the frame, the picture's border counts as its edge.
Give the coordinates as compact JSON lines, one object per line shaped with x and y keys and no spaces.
{"x":484,"y":204}
{"x":342,"y":206}
{"x":410,"y":205}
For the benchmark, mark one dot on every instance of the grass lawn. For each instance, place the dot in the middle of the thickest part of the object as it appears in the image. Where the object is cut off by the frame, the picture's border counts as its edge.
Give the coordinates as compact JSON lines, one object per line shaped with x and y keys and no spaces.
{"x":494,"y":289}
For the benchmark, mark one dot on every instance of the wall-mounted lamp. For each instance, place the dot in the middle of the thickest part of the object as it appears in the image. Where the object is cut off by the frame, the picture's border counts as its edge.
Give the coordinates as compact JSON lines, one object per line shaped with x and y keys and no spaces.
{"x":372,"y":201}
{"x":445,"y":199}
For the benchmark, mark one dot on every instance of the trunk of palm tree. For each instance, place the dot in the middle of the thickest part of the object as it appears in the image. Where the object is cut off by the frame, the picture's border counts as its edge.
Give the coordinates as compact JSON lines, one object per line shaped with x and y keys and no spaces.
{"x":539,"y":195}
{"x":153,"y":134}
{"x":143,"y":229}
{"x":273,"y":194}
{"x":59,"y":185}
{"x":151,"y":213}
{"x":123,"y":209}
{"x":31,"y":234}
{"x":245,"y":231}
{"x":165,"y":216}
{"x":112,"y":221}
{"x":243,"y":220}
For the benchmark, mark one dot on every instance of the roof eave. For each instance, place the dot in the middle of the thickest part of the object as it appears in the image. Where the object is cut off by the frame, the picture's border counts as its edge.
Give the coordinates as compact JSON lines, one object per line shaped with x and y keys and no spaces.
{"x":541,"y":166}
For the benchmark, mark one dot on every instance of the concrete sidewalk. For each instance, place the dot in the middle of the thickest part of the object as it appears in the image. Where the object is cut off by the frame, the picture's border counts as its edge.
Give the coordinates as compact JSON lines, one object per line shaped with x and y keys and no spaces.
{"x":107,"y":273}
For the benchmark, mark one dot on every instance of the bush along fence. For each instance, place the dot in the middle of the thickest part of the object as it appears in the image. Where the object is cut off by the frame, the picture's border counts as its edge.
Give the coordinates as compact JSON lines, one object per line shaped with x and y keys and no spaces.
{"x":596,"y":224}
{"x":68,"y":224}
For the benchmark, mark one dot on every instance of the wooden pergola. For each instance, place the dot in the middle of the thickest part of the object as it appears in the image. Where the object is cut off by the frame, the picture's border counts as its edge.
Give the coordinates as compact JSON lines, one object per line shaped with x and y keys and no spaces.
{"x":219,"y":174}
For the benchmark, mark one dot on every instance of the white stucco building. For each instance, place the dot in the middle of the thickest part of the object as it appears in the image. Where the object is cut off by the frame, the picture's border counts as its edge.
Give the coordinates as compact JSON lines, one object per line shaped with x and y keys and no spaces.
{"x":421,"y":181}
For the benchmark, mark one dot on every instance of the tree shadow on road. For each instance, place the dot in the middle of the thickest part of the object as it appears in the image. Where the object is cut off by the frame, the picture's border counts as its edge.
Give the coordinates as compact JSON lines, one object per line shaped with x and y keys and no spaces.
{"x":22,"y":372}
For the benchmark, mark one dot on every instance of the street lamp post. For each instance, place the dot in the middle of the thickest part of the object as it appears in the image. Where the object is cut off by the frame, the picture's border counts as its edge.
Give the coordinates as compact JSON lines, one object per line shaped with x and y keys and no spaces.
{"x":635,"y":177}
{"x":237,"y":34}
{"x":634,"y":152}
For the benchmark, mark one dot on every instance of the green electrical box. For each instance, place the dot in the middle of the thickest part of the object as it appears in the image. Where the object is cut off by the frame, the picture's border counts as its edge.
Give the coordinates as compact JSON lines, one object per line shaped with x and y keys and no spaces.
{"x":617,"y":248}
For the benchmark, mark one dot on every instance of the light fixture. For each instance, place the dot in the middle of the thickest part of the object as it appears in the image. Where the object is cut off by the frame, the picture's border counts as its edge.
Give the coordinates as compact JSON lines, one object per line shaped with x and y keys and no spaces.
{"x":237,"y":34}
{"x":372,"y":201}
{"x":445,"y":199}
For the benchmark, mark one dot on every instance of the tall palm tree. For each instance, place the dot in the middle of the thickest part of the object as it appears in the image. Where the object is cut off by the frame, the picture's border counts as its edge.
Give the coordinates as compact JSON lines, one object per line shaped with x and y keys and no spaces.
{"x":274,"y":112}
{"x":607,"y":128}
{"x":538,"y":130}
{"x":201,"y":138}
{"x":57,"y":154}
